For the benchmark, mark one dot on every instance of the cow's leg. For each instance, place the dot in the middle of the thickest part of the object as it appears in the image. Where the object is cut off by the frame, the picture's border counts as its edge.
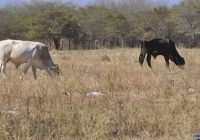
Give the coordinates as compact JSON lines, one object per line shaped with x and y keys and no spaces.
{"x":142,"y":56}
{"x":26,"y":67}
{"x":3,"y":67}
{"x":17,"y":68}
{"x":167,"y":61}
{"x":149,"y":59}
{"x":141,"y":59}
{"x":34,"y":72}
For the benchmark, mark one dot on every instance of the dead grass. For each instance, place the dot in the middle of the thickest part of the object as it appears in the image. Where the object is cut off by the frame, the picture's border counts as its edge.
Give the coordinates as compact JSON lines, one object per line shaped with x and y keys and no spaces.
{"x":137,"y":103}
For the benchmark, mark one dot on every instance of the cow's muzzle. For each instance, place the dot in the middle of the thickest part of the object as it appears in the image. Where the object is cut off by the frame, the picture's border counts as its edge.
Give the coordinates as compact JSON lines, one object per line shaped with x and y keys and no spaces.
{"x":181,"y":67}
{"x":55,"y":70}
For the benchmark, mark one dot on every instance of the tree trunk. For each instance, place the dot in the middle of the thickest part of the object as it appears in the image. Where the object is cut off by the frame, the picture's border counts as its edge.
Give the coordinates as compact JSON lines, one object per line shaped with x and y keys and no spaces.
{"x":115,"y":41}
{"x":50,"y":45}
{"x":61,"y":44}
{"x":122,"y":41}
{"x":56,"y":41}
{"x":69,"y":44}
{"x":95,"y":44}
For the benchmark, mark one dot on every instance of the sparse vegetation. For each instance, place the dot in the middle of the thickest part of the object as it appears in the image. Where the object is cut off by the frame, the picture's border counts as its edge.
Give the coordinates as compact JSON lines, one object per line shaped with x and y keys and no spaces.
{"x":137,"y":103}
{"x":106,"y":24}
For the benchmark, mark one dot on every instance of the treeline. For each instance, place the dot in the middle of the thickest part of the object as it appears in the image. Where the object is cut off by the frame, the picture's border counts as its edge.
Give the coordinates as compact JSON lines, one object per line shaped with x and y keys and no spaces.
{"x":104,"y":24}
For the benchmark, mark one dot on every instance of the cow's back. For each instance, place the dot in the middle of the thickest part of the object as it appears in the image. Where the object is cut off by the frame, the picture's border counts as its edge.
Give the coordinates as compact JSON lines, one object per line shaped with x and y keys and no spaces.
{"x":22,"y":51}
{"x":159,"y":45}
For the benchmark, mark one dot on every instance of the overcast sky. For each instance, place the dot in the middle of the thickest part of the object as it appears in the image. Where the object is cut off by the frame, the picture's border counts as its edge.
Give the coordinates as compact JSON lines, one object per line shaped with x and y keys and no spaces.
{"x":84,"y":2}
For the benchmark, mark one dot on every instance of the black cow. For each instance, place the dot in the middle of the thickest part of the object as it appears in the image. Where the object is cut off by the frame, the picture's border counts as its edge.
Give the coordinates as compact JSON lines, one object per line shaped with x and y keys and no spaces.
{"x":163,"y":47}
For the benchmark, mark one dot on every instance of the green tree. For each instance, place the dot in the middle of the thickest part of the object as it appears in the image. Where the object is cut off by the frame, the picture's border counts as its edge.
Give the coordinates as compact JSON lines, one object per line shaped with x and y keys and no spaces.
{"x":48,"y":24}
{"x":117,"y":26}
{"x":186,"y":17}
{"x":71,"y":31}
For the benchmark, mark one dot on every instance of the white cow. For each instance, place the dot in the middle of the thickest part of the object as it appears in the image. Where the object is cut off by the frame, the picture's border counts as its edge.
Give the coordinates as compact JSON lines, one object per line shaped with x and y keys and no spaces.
{"x":34,"y":54}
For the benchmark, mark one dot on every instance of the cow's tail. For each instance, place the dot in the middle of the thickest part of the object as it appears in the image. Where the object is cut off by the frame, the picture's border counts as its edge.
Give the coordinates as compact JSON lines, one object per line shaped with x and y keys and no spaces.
{"x":142,"y":53}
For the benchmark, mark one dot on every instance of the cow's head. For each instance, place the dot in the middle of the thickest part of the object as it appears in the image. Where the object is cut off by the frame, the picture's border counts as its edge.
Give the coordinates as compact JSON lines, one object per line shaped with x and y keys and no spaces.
{"x":179,"y":61}
{"x":54,"y":70}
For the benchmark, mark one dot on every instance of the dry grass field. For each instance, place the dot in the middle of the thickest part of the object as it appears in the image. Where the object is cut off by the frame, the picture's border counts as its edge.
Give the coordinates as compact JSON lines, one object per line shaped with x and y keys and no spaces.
{"x":137,"y":104}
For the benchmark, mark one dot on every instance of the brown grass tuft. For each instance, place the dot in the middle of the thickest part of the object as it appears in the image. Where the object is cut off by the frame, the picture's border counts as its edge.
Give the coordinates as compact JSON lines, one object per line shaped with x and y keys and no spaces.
{"x":106,"y":58}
